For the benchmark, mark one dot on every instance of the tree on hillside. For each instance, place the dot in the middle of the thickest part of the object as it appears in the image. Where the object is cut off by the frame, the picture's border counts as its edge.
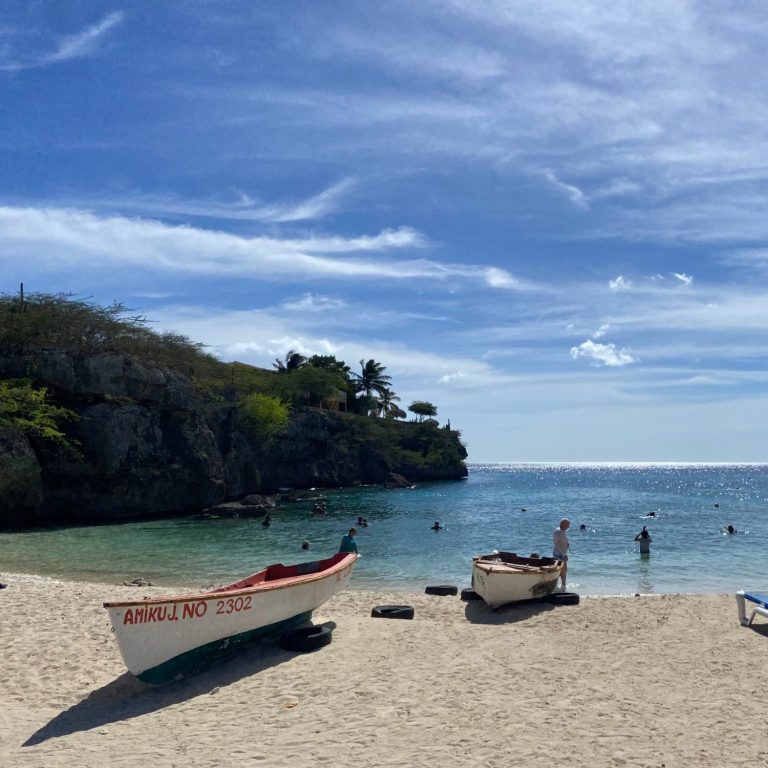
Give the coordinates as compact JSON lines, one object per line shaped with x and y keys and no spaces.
{"x":386,"y":404}
{"x":29,"y":410}
{"x":422,"y":408}
{"x":263,"y":414}
{"x":293,"y":361}
{"x":307,"y":385}
{"x":372,"y":377}
{"x":41,"y":321}
{"x":330,"y":362}
{"x":396,"y":413}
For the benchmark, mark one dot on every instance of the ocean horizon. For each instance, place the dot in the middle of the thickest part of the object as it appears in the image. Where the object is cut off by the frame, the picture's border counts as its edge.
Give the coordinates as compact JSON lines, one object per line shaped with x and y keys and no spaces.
{"x":513,"y":506}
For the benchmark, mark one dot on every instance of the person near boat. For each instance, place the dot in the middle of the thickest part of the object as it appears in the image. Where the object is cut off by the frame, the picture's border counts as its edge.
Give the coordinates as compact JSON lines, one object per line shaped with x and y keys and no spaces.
{"x":561,"y":545}
{"x":348,"y":543}
{"x":645,"y":541}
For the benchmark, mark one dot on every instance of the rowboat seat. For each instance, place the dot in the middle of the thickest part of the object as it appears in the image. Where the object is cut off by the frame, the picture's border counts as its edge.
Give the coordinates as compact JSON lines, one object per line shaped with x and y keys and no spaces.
{"x":511,"y":566}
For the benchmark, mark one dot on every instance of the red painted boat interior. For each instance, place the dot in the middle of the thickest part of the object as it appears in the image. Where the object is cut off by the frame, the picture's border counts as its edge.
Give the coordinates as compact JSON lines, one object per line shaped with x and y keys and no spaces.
{"x":279,"y":571}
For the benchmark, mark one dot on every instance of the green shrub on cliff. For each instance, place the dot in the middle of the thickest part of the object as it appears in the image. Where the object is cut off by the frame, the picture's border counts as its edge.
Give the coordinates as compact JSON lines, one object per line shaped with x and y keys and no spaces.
{"x":264,"y":415}
{"x":28,"y":410}
{"x":58,"y":321}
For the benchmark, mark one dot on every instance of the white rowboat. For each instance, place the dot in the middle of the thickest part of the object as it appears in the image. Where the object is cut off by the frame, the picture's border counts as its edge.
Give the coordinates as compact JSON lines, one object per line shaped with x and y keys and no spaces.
{"x":504,"y":577}
{"x":167,"y":638}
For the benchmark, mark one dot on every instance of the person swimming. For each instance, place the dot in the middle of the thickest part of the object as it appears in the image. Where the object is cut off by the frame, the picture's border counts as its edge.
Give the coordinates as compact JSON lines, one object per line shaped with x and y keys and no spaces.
{"x":730,"y":529}
{"x":266,"y":522}
{"x":437,"y":526}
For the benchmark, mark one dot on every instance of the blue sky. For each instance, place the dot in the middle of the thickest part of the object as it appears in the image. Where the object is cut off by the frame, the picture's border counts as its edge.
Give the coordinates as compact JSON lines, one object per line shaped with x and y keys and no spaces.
{"x":547,"y":218}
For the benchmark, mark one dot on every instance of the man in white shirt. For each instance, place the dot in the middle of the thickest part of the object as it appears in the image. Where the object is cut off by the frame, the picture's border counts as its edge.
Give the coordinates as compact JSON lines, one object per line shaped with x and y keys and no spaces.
{"x":560,"y":546}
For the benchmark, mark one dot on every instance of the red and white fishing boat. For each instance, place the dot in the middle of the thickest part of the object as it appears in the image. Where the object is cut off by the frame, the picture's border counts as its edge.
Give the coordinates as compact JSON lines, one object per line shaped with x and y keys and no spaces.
{"x":167,"y":638}
{"x":505,"y":577}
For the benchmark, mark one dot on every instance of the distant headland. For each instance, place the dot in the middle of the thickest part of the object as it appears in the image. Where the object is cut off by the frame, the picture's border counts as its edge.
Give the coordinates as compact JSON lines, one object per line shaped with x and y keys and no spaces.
{"x":104,"y":419}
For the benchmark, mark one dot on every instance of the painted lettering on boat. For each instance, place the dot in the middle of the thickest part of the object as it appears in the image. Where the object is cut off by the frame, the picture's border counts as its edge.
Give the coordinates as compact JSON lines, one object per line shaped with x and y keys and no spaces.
{"x":194,"y":610}
{"x":233,"y":605}
{"x":149,"y":613}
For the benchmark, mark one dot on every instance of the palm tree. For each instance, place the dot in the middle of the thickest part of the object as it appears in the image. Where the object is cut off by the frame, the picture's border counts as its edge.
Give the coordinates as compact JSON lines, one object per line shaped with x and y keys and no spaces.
{"x":386,"y":404}
{"x":372,"y":378}
{"x":293,"y":361}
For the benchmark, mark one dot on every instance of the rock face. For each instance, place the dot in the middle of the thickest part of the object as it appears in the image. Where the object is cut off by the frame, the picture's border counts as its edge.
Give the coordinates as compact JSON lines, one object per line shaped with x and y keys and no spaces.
{"x":21,"y":487}
{"x":153,"y":445}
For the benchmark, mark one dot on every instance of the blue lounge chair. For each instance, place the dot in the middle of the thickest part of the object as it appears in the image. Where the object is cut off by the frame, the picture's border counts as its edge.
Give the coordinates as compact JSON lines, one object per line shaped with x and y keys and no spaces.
{"x":760,"y":609}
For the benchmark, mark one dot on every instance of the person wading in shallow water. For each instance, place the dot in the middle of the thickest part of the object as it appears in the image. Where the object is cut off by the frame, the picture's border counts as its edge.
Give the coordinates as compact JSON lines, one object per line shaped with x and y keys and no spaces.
{"x":645,"y":541}
{"x":560,"y":547}
{"x":348,"y":543}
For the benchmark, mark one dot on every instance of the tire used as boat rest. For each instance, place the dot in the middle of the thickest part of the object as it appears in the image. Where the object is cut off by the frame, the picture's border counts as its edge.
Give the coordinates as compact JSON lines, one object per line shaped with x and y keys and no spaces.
{"x":304,"y":639}
{"x":562,"y":598}
{"x":393,"y":612}
{"x":469,"y":595}
{"x":442,"y":589}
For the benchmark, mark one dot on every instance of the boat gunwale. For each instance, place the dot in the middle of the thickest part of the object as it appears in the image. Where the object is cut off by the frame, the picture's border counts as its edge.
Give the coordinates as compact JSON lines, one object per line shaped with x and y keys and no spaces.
{"x":513,"y":570}
{"x":264,"y":586}
{"x":487,"y":564}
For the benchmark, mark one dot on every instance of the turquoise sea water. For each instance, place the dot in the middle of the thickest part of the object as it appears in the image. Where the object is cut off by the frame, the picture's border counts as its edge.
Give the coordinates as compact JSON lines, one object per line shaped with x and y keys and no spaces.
{"x":499,"y":506}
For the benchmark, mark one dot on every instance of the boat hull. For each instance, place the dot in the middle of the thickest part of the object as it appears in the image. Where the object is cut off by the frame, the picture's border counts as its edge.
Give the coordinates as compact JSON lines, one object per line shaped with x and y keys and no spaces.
{"x":166,"y":639}
{"x":499,"y":580}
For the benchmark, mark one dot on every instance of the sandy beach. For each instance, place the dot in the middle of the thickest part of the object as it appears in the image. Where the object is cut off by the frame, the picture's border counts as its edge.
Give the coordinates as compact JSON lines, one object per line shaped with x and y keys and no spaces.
{"x":667,"y":681}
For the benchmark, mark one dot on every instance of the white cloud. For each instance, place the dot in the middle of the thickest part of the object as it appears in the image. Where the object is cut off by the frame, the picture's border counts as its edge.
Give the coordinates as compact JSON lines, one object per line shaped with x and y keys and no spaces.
{"x":314,"y":208}
{"x":77,"y":46}
{"x":311,"y":303}
{"x":452,"y":377}
{"x":683,"y":278}
{"x":601,"y":331}
{"x":500,"y":278}
{"x":619,"y":284}
{"x":61,"y":238}
{"x":604,"y":354}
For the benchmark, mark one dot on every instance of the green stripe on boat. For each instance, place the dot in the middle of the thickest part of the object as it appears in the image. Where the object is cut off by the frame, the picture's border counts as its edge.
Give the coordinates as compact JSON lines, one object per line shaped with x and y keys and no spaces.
{"x":206,"y":656}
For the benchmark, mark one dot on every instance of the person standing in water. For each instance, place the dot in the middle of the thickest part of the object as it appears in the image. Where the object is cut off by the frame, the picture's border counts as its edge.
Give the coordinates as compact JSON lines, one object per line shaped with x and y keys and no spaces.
{"x":348,"y":543}
{"x":560,"y":546}
{"x":645,"y":541}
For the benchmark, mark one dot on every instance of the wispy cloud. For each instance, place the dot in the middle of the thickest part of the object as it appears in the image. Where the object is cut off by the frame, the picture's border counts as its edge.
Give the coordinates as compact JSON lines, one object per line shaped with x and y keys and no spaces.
{"x":56,"y":238}
{"x":243,"y":208}
{"x":313,"y":208}
{"x":76,"y":46}
{"x":574,"y":194}
{"x":312,"y":303}
{"x":619,"y":283}
{"x":601,"y":331}
{"x":683,"y":278}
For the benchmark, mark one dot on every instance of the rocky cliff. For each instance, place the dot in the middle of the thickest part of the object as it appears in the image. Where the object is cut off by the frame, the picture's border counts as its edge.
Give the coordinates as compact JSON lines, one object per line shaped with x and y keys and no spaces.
{"x":150,"y":444}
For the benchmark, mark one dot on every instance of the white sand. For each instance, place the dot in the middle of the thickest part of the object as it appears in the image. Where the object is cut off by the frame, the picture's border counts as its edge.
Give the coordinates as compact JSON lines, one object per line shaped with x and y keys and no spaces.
{"x":650,"y":681}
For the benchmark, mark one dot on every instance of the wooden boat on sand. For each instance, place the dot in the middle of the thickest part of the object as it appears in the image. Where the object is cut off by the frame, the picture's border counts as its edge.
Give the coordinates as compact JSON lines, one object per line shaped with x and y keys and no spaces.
{"x":505,"y":577}
{"x":167,"y":638}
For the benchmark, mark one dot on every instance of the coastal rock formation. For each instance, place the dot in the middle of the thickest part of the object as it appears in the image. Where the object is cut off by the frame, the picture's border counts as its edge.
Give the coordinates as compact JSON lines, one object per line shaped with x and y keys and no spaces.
{"x":21,"y":488}
{"x":151,"y":444}
{"x":394,"y":480}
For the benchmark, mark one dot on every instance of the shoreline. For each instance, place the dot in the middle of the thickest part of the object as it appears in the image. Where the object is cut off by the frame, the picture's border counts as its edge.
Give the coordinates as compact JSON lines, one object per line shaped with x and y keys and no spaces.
{"x":6,"y":576}
{"x":643,"y":682}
